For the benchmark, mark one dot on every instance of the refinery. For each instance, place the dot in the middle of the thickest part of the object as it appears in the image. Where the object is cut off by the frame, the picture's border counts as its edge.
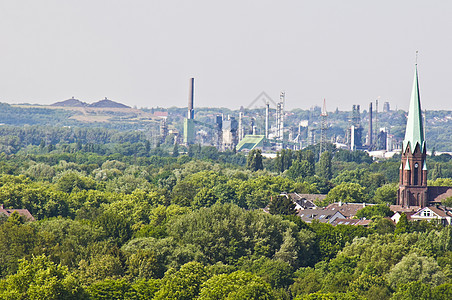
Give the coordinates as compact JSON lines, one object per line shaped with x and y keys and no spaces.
{"x":264,"y":124}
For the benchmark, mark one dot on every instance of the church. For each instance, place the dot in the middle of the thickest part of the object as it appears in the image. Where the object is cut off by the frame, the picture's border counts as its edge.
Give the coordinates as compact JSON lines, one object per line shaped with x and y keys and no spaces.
{"x":413,"y":191}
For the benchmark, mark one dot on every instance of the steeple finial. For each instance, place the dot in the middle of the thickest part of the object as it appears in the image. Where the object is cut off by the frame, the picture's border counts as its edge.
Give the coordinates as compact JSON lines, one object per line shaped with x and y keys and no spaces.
{"x":414,"y":133}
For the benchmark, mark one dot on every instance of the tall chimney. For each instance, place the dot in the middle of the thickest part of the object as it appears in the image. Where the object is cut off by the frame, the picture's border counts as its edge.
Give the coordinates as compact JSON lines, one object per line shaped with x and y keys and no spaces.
{"x":240,"y":126}
{"x":191,"y":92}
{"x":267,"y":118}
{"x":376,"y":123}
{"x":370,"y":126}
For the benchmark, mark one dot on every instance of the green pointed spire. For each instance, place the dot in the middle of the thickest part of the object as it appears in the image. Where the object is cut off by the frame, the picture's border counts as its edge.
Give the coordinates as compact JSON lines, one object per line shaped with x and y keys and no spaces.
{"x":414,"y":133}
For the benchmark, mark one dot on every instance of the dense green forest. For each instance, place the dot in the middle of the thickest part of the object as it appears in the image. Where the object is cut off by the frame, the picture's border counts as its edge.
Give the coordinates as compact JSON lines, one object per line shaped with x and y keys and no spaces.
{"x":119,"y":218}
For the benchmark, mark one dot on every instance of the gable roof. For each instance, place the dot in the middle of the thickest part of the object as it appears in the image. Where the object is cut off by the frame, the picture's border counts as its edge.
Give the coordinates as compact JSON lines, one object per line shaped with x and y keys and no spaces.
{"x":347,"y":209}
{"x":321,"y":214}
{"x":353,"y":222}
{"x":406,"y":210}
{"x":437,"y":213}
{"x":311,"y":197}
{"x":306,"y":200}
{"x":438,"y":193}
{"x":23,"y":212}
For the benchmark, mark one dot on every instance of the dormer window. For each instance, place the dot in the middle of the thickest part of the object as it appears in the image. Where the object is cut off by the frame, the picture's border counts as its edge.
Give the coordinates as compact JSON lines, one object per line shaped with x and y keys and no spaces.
{"x":426,"y":213}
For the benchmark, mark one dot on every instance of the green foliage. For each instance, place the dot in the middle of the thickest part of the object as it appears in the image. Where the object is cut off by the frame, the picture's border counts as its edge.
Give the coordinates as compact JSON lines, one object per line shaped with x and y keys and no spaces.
{"x":299,"y":169}
{"x":346,"y":192}
{"x":414,"y":291}
{"x":223,"y":233}
{"x":402,"y":226}
{"x":324,"y":168}
{"x":277,"y":273}
{"x":39,"y":200}
{"x":41,"y":279}
{"x":380,"y":210}
{"x":436,"y":173}
{"x":71,"y":181}
{"x":330,"y":240}
{"x":442,"y":292}
{"x":125,"y":224}
{"x":183,"y":284}
{"x":370,"y":181}
{"x":122,"y":289}
{"x":237,"y":285}
{"x":386,"y":194}
{"x":16,"y":241}
{"x":282,"y":205}
{"x":440,"y":182}
{"x":66,"y":241}
{"x":416,"y":268}
{"x":254,"y":160}
{"x":447,"y":202}
{"x":382,"y":225}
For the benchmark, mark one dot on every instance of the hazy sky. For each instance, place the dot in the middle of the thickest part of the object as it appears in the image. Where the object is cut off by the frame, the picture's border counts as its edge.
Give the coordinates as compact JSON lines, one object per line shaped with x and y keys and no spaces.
{"x":144,"y":52}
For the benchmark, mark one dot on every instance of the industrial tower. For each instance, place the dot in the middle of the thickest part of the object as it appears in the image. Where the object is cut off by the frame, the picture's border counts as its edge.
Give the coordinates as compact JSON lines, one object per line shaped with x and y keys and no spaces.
{"x":189,"y":122}
{"x":280,"y":117}
{"x":323,"y":128}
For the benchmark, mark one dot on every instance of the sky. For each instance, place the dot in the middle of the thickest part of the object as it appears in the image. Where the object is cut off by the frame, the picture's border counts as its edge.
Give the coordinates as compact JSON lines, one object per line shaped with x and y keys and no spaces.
{"x":142,"y":53}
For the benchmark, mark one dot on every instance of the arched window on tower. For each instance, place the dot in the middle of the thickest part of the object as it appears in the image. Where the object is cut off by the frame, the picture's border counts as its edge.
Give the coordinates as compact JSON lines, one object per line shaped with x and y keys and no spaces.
{"x":416,"y":174}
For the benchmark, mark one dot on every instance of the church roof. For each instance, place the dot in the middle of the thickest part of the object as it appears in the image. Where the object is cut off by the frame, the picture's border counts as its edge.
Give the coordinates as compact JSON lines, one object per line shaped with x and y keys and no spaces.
{"x":414,"y":133}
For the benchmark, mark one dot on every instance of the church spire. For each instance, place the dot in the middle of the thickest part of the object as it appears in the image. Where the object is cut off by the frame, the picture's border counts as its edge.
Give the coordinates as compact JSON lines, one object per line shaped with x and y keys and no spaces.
{"x":414,"y":133}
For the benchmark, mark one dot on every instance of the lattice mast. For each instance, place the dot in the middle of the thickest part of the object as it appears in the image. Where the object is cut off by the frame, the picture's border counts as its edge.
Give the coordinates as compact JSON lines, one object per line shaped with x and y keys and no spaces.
{"x":323,"y":128}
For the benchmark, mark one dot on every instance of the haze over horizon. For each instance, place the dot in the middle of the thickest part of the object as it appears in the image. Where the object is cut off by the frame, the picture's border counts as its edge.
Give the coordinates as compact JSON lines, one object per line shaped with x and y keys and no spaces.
{"x":142,"y":53}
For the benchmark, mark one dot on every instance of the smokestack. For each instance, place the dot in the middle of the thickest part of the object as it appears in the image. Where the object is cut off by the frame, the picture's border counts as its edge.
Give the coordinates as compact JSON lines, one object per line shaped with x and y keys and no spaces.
{"x":278,"y":120}
{"x":267,"y":119}
{"x":282,"y":98}
{"x":370,"y":125}
{"x":376,"y":123}
{"x":191,"y":92}
{"x":240,"y":126}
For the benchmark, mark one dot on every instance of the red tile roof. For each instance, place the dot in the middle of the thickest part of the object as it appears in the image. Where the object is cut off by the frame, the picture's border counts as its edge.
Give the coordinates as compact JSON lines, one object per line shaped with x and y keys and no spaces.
{"x":22,"y":212}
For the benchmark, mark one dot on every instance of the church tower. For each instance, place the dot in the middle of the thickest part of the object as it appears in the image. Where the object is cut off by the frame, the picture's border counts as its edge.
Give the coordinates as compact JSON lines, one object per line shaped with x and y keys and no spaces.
{"x":413,"y":168}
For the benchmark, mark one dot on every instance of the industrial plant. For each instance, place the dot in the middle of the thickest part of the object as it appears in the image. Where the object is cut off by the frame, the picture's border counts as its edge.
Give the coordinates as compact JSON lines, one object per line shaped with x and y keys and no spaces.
{"x":265,"y":124}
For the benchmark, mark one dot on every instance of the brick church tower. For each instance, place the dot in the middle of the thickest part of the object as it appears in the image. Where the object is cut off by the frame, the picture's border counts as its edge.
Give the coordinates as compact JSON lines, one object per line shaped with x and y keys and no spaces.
{"x":413,"y":189}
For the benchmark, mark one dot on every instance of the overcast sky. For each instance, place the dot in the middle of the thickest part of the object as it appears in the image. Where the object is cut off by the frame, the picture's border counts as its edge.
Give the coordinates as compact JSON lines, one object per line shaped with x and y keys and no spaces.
{"x":144,"y":52}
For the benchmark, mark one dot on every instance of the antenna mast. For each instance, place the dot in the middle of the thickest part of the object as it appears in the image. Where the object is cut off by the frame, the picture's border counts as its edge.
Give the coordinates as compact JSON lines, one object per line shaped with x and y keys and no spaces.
{"x":323,"y":128}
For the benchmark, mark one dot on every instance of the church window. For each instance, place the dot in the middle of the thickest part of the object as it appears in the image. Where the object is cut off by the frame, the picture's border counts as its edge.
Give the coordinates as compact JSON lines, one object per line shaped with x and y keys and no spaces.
{"x":416,"y":172}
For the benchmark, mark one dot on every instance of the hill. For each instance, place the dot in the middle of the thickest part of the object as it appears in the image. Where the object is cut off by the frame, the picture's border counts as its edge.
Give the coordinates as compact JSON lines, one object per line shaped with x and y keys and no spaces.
{"x":108,"y":103}
{"x":70,"y":103}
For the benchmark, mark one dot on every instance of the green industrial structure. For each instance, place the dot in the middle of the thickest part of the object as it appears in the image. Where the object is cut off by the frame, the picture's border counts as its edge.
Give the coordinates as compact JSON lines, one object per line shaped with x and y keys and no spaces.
{"x":249,"y":142}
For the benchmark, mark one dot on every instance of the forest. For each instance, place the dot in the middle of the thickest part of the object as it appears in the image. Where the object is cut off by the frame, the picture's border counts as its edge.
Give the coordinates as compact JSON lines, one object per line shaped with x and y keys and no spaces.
{"x":120,"y":218}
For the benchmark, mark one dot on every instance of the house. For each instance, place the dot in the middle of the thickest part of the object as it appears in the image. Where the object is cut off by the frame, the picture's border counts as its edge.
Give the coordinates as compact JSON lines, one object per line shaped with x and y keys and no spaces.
{"x":353,"y":222}
{"x":305,"y":201}
{"x":399,"y":209}
{"x":23,"y":212}
{"x":396,"y":217}
{"x":430,"y":213}
{"x":322,"y":215}
{"x":349,"y":210}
